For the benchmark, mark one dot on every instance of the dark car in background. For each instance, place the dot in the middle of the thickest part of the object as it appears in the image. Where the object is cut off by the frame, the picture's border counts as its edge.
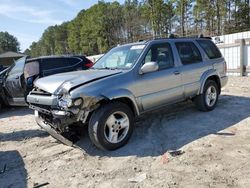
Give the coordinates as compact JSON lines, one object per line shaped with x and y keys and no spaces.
{"x":17,"y":80}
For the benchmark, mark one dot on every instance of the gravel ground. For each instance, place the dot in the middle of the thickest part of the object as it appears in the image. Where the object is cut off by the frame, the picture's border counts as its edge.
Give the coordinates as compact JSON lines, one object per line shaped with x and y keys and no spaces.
{"x":176,"y":146}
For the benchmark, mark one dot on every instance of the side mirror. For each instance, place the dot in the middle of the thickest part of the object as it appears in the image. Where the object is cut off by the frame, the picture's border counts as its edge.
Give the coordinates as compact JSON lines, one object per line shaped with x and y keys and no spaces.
{"x":149,"y":67}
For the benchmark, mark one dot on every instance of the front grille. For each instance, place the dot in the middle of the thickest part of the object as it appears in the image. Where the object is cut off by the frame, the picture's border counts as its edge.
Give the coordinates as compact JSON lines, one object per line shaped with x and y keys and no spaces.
{"x":37,"y":91}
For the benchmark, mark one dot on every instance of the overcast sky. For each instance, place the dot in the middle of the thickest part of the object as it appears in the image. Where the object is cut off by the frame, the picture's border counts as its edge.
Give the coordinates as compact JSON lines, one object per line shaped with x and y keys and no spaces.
{"x":27,"y":19}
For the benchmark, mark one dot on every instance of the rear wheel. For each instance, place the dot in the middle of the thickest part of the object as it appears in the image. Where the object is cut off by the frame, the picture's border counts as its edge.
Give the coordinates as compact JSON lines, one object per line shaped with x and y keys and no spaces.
{"x":207,"y":101}
{"x":111,"y":126}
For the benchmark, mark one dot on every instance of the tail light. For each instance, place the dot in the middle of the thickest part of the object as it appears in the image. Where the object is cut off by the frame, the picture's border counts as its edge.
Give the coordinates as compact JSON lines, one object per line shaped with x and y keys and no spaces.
{"x":89,"y":63}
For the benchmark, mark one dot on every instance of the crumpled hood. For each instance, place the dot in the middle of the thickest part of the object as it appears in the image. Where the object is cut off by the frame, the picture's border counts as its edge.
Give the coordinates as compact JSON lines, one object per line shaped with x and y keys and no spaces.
{"x":52,"y":83}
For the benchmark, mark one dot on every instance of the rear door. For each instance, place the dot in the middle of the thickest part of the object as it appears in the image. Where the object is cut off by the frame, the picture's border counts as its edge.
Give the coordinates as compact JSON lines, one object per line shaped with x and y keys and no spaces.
{"x":192,"y":67}
{"x":14,"y":82}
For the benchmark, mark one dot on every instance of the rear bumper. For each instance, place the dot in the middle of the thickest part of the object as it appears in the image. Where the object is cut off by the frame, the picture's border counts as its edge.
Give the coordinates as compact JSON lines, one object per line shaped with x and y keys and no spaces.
{"x":224,"y":81}
{"x":46,"y":126}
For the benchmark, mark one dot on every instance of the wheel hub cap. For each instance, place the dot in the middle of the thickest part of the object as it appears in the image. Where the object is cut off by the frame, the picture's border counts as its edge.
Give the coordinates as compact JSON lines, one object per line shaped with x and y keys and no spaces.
{"x":211,"y":96}
{"x":116,"y":127}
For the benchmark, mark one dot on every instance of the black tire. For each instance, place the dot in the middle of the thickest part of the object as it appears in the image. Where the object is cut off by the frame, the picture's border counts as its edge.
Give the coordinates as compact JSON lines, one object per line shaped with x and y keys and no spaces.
{"x":1,"y":104}
{"x":97,"y":125}
{"x":200,"y":100}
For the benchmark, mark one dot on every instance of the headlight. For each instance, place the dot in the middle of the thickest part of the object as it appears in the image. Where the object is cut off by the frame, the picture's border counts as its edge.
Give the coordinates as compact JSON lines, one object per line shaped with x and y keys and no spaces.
{"x":65,"y":102}
{"x":64,"y":88}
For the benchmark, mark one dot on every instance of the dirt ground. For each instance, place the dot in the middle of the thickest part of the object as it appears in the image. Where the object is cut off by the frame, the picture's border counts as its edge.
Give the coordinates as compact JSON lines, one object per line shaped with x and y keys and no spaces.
{"x":214,"y":149}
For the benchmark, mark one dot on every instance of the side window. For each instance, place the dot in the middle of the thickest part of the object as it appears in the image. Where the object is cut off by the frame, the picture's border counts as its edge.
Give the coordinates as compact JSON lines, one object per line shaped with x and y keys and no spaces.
{"x":162,"y":54}
{"x":73,"y":61}
{"x":188,"y":53}
{"x":18,"y":67}
{"x":210,"y":49}
{"x":54,"y":63}
{"x":31,"y":69}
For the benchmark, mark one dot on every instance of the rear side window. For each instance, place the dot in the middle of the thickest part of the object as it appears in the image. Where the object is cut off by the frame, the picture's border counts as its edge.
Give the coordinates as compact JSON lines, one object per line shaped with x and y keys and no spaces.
{"x":53,"y":63}
{"x":210,"y":49}
{"x":188,"y":53}
{"x":73,"y":61}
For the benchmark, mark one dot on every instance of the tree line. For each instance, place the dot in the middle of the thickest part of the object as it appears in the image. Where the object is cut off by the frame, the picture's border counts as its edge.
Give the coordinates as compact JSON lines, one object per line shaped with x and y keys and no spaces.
{"x":8,"y":42}
{"x":104,"y":25}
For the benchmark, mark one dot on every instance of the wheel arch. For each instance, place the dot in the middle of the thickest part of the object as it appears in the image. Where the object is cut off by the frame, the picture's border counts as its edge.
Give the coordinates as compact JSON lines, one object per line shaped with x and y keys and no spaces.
{"x":210,"y":75}
{"x":123,"y":96}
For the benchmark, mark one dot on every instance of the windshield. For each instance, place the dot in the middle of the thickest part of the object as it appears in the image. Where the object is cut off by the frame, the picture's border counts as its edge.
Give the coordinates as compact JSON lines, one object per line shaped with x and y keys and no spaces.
{"x":123,"y":57}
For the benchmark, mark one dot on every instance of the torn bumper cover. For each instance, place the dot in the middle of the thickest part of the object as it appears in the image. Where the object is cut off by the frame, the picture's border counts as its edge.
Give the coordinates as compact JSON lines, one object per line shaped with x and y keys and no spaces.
{"x":49,"y":128}
{"x":58,"y":115}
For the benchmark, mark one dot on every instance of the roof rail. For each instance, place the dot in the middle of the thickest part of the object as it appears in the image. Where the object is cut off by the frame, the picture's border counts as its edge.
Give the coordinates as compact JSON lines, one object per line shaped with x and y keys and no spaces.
{"x":174,"y":36}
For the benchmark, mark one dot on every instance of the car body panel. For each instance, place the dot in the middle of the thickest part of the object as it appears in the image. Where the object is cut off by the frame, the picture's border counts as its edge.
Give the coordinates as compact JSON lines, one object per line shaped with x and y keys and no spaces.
{"x":74,"y":78}
{"x":162,"y":87}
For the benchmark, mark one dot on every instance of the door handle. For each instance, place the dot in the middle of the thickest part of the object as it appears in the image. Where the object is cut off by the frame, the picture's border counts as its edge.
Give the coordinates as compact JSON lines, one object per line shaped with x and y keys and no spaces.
{"x":16,"y":77}
{"x":176,"y":72}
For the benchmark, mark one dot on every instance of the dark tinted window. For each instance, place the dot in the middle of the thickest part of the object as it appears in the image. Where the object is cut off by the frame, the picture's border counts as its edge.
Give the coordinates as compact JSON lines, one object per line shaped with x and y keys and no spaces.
{"x":162,"y":54}
{"x":188,"y":52}
{"x":210,"y":49}
{"x":53,"y":63}
{"x":74,"y":61}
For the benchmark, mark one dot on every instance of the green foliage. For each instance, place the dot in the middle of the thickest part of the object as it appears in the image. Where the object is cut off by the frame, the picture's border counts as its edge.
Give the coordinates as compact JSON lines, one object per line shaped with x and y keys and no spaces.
{"x":27,"y":52}
{"x":161,"y":14}
{"x":105,"y":24}
{"x":8,"y":43}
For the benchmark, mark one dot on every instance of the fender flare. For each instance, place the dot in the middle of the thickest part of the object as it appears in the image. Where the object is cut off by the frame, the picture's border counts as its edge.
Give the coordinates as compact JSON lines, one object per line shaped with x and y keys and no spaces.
{"x":204,"y":78}
{"x":122,"y":93}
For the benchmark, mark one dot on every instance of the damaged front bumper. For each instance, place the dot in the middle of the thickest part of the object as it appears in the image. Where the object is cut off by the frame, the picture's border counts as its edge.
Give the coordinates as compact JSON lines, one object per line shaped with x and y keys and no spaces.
{"x":49,"y":128}
{"x":58,"y":122}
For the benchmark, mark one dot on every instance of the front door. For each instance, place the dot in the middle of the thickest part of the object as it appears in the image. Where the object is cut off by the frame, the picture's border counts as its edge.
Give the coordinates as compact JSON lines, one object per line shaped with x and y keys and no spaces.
{"x":14,"y":81}
{"x":159,"y":88}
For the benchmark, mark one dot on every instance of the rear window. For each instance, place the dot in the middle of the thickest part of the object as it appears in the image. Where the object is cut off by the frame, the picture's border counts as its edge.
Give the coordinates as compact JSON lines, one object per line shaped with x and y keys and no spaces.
{"x":210,"y":49}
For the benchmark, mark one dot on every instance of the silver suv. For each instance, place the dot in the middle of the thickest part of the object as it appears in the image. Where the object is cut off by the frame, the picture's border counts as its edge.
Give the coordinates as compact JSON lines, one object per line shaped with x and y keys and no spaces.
{"x":128,"y":81}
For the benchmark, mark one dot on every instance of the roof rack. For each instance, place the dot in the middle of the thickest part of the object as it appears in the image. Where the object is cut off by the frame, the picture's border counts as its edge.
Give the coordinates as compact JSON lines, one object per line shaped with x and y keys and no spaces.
{"x":173,"y":36}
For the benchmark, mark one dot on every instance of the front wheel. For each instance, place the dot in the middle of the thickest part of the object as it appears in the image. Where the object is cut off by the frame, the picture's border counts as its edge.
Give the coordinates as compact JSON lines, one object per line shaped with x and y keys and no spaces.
{"x":111,"y":126}
{"x":207,"y":101}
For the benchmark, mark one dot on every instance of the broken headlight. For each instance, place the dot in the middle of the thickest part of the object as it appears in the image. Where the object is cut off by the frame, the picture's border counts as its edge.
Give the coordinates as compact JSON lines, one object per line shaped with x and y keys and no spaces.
{"x":65,"y":102}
